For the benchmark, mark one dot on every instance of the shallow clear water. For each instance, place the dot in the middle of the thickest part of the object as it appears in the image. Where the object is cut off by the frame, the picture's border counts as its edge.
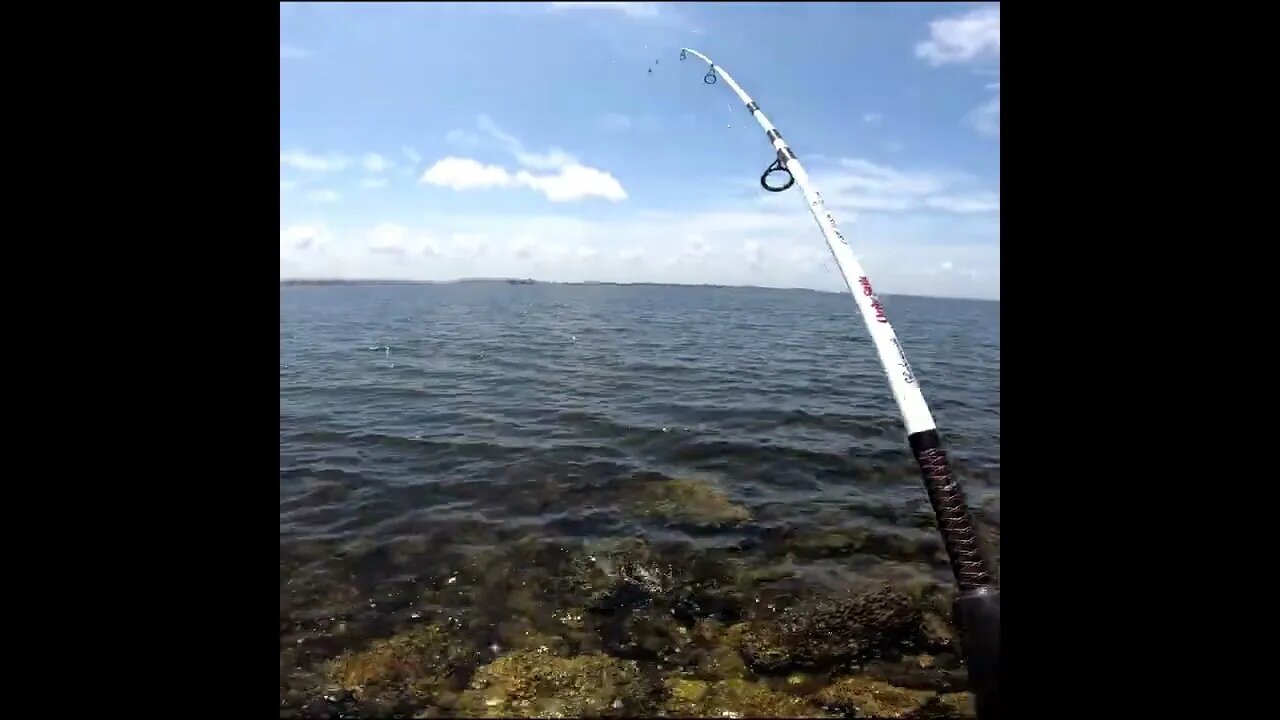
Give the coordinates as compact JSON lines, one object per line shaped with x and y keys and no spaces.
{"x":425,"y":426}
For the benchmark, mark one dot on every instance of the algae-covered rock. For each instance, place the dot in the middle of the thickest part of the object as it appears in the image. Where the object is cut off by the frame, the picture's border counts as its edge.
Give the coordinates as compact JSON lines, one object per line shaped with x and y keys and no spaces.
{"x":649,"y":634}
{"x":831,"y":633}
{"x":735,"y":698}
{"x":407,"y":670}
{"x":893,"y":542}
{"x":950,"y":705}
{"x":921,"y":672}
{"x":690,"y":500}
{"x":607,"y":576}
{"x":611,"y":577}
{"x":531,"y":683}
{"x":936,"y":631}
{"x":867,"y":698}
{"x":721,"y":657}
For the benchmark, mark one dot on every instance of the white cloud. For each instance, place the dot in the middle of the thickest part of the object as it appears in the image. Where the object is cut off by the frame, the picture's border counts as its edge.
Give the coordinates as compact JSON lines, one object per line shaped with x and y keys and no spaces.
{"x":978,"y":203}
{"x":615,"y":122}
{"x":630,"y":9}
{"x":986,"y":118}
{"x":388,"y":237}
{"x":969,"y":37}
{"x":559,"y":177}
{"x":287,"y":185}
{"x":972,"y":37}
{"x":412,"y":154}
{"x":463,"y":139}
{"x":303,"y":239}
{"x":872,"y":118}
{"x":861,"y":185}
{"x":573,"y":182}
{"x":465,"y":174}
{"x":373,"y":183}
{"x":292,"y":52}
{"x":375,"y":163}
{"x":324,"y":196}
{"x":553,"y":159}
{"x":780,"y":249}
{"x":302,"y":160}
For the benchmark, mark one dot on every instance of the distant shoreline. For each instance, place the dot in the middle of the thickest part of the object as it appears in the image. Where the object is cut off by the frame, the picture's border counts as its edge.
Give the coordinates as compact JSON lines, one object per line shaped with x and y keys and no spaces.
{"x":321,"y":282}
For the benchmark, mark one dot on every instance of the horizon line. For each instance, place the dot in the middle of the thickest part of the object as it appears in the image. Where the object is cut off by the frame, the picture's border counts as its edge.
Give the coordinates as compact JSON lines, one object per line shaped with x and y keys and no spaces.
{"x":533,"y":281}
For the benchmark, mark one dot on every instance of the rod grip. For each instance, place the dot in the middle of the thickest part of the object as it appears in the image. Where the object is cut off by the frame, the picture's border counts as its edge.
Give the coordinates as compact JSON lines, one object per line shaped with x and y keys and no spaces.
{"x":955,"y":524}
{"x":977,"y":607}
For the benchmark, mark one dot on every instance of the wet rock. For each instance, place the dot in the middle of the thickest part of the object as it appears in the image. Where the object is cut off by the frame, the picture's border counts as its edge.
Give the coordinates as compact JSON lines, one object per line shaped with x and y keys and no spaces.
{"x":643,"y":599}
{"x":893,"y":542}
{"x":721,"y":656}
{"x":991,"y":510}
{"x":404,"y":671}
{"x":735,"y":698}
{"x":831,"y":634}
{"x":528,"y":683}
{"x":951,"y":705}
{"x":649,"y":634}
{"x":606,"y":577}
{"x":936,"y":632}
{"x":690,"y":500}
{"x":865,"y":697}
{"x":989,"y":536}
{"x":920,"y":672}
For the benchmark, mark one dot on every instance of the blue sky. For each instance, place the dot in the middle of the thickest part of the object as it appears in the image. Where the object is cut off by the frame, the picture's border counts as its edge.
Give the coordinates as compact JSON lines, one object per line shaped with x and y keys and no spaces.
{"x":439,"y":140}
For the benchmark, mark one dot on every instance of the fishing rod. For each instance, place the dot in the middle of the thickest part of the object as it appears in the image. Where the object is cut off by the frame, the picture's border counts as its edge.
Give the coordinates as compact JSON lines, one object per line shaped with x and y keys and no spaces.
{"x":977,"y":607}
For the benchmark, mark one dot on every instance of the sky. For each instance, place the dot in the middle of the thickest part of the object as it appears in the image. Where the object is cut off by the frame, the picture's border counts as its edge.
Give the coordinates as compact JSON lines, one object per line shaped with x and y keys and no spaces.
{"x":438,"y":141}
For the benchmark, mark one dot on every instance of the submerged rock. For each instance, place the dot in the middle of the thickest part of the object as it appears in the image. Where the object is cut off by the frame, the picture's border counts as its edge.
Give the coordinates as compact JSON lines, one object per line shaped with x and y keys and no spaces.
{"x":643,"y":601}
{"x":864,"y":697}
{"x":529,"y":683}
{"x":735,"y":698}
{"x":689,"y":500}
{"x":943,"y":673}
{"x":404,"y":671}
{"x":649,"y":634}
{"x":950,"y":706}
{"x":937,"y":633}
{"x":720,"y":657}
{"x":831,"y":634}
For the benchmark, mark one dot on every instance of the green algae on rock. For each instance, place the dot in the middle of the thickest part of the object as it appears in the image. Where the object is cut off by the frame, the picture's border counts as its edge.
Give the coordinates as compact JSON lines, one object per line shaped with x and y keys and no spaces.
{"x":735,"y":698}
{"x":529,"y":683}
{"x":831,"y":634}
{"x":692,"y":501}
{"x":864,"y":697}
{"x":409,"y":669}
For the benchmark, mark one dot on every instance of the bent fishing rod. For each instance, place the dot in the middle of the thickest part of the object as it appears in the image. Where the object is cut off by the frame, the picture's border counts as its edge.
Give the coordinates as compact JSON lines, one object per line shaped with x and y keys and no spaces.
{"x":977,"y":607}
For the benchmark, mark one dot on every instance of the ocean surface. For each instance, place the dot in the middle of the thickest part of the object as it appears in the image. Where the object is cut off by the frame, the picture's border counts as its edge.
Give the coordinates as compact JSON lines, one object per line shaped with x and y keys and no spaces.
{"x":446,"y":451}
